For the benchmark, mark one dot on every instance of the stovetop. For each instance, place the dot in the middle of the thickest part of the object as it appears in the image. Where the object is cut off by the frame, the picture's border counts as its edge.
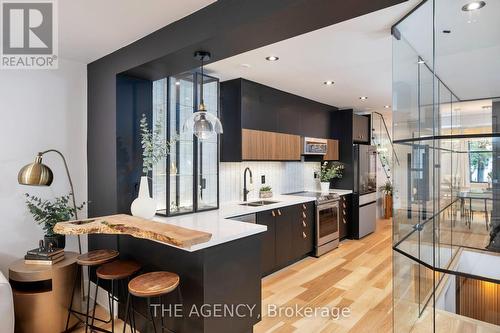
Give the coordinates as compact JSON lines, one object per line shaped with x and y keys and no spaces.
{"x":320,"y":197}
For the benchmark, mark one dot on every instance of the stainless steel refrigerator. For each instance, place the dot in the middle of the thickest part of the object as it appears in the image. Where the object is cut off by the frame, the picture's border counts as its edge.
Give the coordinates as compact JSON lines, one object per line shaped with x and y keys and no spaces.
{"x":365,"y":191}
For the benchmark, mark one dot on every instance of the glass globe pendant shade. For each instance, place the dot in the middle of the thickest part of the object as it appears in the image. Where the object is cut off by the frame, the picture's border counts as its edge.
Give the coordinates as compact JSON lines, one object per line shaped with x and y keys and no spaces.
{"x":203,"y":124}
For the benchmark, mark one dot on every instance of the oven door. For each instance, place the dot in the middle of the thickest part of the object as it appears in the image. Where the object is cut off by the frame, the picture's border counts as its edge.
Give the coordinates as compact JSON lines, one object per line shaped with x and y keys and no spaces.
{"x":327,"y":223}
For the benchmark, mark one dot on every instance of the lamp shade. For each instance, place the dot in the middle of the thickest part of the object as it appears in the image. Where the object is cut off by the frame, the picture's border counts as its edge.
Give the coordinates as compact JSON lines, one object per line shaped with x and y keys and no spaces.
{"x":35,"y":174}
{"x":203,"y":124}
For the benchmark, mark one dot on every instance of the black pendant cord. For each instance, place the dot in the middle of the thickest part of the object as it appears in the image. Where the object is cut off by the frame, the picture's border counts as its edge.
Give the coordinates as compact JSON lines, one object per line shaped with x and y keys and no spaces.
{"x":201,"y":86}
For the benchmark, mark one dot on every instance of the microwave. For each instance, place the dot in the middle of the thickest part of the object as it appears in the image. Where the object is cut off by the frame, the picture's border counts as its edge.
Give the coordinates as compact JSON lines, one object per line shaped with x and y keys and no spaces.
{"x":313,"y":146}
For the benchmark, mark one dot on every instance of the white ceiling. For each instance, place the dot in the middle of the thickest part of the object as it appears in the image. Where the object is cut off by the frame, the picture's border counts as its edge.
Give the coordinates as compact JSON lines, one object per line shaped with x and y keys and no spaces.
{"x":91,"y":29}
{"x":356,"y":54}
{"x":468,"y":59}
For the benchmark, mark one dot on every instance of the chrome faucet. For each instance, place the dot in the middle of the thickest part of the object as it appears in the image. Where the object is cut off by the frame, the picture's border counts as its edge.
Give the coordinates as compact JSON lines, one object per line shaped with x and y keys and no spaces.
{"x":245,"y":190}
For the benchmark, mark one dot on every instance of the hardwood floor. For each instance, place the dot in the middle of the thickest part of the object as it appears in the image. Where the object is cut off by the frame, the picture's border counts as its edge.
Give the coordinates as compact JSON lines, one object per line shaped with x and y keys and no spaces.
{"x":356,"y":276}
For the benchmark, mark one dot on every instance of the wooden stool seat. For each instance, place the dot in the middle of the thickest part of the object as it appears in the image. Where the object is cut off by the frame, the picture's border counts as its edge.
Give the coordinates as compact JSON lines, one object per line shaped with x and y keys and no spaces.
{"x":117,"y":270}
{"x":96,"y":257}
{"x":153,"y":284}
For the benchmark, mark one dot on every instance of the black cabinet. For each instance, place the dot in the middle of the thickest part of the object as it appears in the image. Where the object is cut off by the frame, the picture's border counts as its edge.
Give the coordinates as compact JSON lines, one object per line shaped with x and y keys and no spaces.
{"x":268,"y":241}
{"x":345,"y":217}
{"x":250,"y":105}
{"x":303,"y":231}
{"x":289,"y":236}
{"x":361,"y":129}
{"x":285,"y":219}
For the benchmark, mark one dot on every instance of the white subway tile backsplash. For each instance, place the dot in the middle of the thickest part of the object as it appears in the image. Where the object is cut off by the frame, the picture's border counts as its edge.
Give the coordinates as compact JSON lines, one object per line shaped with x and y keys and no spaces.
{"x":283,"y":177}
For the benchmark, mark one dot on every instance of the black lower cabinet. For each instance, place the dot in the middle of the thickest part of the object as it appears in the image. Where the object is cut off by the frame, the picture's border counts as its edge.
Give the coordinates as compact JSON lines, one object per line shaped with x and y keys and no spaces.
{"x":289,"y":236}
{"x":303,"y":231}
{"x":345,"y":217}
{"x":268,"y":242}
{"x":285,"y":218}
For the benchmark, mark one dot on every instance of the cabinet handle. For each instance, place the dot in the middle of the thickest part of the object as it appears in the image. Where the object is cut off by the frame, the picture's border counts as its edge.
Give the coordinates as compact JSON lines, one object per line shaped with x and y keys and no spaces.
{"x":343,"y":220}
{"x":304,"y":215}
{"x":304,"y":224}
{"x":273,"y":213}
{"x":279,"y":212}
{"x":343,"y":212}
{"x":304,"y":206}
{"x":343,"y":204}
{"x":304,"y":235}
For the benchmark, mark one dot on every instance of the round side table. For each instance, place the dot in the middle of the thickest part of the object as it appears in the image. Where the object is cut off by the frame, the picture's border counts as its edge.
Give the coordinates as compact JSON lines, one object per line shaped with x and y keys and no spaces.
{"x":42,"y":294}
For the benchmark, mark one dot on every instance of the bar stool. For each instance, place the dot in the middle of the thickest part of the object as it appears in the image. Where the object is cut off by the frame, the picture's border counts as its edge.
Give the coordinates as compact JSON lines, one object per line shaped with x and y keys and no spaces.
{"x":91,"y":260}
{"x":150,"y":285}
{"x":117,"y":270}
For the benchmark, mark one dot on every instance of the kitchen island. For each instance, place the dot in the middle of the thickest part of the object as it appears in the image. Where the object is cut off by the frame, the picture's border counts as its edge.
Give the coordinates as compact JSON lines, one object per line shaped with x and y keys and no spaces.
{"x":220,"y":288}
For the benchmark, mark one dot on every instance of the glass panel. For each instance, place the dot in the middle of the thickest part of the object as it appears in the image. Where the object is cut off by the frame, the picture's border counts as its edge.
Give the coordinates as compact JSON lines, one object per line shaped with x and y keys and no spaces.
{"x":160,"y":89}
{"x":181,"y":165}
{"x":208,"y":151}
{"x":328,"y":221}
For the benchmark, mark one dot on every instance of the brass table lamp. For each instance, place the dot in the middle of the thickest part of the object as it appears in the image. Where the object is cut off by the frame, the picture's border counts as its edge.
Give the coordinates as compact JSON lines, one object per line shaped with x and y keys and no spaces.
{"x":38,"y":174}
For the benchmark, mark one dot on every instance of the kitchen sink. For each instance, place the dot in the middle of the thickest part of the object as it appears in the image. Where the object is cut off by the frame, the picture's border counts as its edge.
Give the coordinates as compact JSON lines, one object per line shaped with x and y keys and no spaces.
{"x":259,"y":203}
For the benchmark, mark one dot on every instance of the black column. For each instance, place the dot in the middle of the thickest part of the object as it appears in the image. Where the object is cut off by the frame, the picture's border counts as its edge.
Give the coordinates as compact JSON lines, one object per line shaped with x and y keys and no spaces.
{"x":495,"y":215}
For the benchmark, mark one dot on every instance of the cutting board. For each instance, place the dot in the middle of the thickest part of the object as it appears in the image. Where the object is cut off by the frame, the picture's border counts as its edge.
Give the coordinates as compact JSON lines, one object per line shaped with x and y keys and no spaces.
{"x":134,"y":226}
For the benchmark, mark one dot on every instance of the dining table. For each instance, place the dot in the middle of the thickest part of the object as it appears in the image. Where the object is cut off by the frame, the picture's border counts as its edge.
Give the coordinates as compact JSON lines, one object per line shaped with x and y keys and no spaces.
{"x":467,"y":196}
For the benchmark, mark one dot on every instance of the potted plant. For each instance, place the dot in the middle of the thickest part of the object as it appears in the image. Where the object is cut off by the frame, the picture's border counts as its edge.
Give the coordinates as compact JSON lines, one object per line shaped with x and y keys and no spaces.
{"x":154,"y":148}
{"x":47,"y":213}
{"x":387,"y":190}
{"x":266,"y":192}
{"x":327,"y":173}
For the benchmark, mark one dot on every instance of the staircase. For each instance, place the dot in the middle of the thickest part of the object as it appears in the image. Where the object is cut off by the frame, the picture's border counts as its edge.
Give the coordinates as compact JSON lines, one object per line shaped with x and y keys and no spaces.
{"x":382,"y":140}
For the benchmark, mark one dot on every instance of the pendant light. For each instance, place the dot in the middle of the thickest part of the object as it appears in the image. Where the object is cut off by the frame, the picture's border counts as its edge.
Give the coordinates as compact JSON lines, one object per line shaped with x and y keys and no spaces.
{"x":202,"y":124}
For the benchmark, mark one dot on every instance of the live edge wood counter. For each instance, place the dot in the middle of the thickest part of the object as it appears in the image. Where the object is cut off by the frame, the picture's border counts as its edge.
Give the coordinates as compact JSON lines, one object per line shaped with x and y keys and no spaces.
{"x":134,"y":226}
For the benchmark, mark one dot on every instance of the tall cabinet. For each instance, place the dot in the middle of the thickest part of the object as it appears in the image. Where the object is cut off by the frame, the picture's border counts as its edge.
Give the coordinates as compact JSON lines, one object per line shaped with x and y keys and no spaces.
{"x":188,"y":180}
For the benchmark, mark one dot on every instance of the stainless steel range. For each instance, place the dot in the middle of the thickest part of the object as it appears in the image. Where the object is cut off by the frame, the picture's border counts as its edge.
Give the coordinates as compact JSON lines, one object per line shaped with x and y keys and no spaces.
{"x":327,"y":221}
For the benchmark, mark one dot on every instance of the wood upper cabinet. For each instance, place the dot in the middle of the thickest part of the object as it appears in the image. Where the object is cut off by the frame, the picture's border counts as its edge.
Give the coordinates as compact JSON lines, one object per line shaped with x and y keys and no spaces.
{"x":332,"y":152}
{"x":269,"y":146}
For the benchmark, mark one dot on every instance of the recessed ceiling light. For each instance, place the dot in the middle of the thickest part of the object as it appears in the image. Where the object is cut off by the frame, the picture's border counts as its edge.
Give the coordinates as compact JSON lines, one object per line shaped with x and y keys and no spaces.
{"x":387,"y":106}
{"x":363,"y":98}
{"x":328,"y":83}
{"x":272,"y":58}
{"x":474,"y":5}
{"x":177,"y":83}
{"x":245,"y":65}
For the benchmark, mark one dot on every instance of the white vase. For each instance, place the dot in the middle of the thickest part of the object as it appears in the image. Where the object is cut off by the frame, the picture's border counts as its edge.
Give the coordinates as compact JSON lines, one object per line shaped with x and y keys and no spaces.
{"x":325,"y":187}
{"x":144,"y":206}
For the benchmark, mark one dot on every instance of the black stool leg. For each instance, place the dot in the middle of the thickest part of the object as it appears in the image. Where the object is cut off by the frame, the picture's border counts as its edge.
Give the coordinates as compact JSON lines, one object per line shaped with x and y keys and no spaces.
{"x":151,"y":314}
{"x":88,"y":302}
{"x":70,"y":308}
{"x":95,"y":303}
{"x":112,"y":307}
{"x":127,"y":314}
{"x":132,"y":318}
{"x":162,"y":316}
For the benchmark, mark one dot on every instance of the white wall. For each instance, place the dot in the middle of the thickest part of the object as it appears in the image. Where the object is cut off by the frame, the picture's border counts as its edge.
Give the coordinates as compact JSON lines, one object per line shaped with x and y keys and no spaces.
{"x":283,"y":177}
{"x":39,"y":109}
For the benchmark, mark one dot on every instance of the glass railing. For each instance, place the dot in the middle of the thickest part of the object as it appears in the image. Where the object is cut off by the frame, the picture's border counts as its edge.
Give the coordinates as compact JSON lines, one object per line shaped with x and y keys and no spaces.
{"x":381,"y":138}
{"x":446,"y":223}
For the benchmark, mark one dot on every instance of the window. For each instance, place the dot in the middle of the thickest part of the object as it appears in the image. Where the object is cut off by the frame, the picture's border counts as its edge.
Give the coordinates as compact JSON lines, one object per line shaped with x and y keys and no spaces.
{"x":480,"y":161}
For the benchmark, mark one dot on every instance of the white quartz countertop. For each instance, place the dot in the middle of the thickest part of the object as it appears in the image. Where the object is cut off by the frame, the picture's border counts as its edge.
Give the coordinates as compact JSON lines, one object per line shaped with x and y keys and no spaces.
{"x":223,"y":229}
